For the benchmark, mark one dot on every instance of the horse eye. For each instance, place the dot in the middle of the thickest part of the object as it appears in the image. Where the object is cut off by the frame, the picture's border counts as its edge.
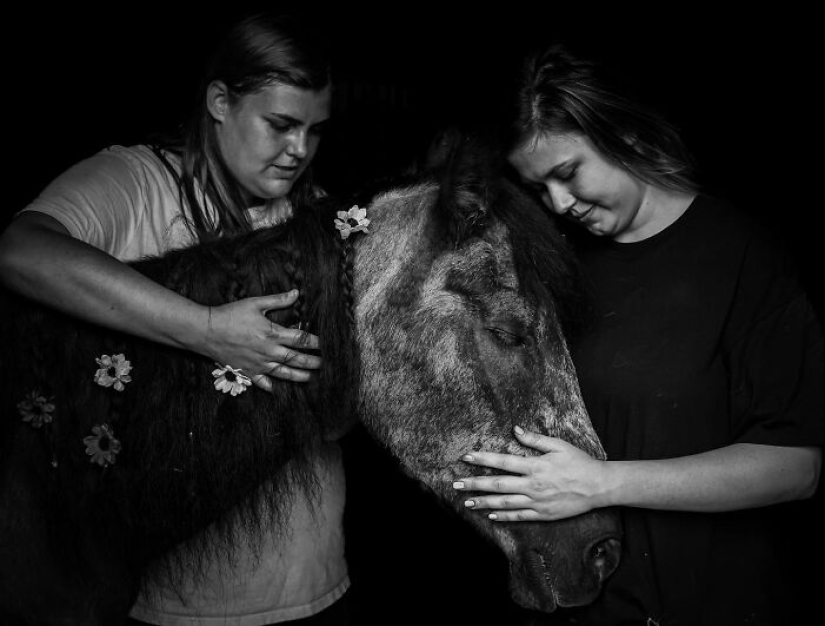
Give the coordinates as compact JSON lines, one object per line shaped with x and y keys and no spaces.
{"x":507,"y":337}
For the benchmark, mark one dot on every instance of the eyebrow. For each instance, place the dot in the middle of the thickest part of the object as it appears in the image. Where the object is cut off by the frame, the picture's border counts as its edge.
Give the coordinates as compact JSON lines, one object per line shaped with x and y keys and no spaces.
{"x":546,"y":174}
{"x":284,"y":117}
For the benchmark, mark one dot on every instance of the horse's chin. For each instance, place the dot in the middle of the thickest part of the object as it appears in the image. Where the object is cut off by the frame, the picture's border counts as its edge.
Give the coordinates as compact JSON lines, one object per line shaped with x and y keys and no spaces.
{"x":544,"y":577}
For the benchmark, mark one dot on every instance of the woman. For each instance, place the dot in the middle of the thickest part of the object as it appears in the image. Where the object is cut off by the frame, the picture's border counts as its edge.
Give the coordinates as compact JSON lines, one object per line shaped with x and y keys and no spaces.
{"x":702,"y":371}
{"x":238,"y":164}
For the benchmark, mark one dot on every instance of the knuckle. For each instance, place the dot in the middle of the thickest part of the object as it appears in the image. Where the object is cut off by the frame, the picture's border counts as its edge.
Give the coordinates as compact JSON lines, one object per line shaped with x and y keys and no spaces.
{"x":304,"y":339}
{"x":536,"y":484}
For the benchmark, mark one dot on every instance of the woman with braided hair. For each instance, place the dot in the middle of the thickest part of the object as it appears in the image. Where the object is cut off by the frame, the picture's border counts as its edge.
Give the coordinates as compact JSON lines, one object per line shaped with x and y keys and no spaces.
{"x":238,"y":164}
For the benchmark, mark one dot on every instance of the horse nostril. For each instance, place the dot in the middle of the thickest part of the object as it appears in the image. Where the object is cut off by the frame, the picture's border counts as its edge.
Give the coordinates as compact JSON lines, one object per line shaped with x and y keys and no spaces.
{"x":603,"y":557}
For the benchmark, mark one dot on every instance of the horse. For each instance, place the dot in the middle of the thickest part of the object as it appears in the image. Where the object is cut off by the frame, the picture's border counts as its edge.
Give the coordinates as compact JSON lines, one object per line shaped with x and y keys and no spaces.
{"x":441,"y":327}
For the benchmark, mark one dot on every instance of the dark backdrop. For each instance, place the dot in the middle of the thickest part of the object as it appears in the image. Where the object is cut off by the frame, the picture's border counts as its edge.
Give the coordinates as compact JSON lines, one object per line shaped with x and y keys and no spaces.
{"x":739,"y":87}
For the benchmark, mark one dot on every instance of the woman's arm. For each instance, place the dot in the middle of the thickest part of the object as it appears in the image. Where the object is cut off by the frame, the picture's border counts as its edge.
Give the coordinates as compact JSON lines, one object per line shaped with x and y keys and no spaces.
{"x":566,"y":481}
{"x":41,"y":260}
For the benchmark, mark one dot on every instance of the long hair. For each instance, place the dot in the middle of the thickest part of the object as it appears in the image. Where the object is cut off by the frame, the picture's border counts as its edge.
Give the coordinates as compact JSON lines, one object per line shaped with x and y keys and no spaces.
{"x":560,"y":93}
{"x":257,"y":51}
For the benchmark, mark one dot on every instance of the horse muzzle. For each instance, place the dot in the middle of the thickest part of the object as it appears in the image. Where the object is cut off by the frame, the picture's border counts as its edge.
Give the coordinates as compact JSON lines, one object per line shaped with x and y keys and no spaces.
{"x":564,"y":563}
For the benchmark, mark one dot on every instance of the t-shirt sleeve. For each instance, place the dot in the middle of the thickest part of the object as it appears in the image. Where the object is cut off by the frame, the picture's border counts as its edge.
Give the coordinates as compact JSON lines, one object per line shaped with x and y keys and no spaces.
{"x":775,"y":353}
{"x":98,"y":200}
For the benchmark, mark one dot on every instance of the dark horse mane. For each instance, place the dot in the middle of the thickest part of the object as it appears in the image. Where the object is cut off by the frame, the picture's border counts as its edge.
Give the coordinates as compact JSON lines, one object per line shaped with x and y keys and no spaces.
{"x":178,"y":434}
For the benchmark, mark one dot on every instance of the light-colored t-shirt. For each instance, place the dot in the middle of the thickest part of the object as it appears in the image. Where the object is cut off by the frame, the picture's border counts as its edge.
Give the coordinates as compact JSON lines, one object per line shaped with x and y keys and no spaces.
{"x":123,"y":200}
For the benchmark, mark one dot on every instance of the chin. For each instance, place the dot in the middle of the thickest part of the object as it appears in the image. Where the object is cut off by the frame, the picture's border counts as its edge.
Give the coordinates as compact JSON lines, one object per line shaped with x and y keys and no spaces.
{"x":274,"y":190}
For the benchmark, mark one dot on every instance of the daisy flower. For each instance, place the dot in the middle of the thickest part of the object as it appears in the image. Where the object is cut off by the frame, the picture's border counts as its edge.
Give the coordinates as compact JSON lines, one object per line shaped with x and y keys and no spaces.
{"x":101,"y":446}
{"x":344,"y":221}
{"x":230,"y":380}
{"x":36,"y":409}
{"x":114,"y":371}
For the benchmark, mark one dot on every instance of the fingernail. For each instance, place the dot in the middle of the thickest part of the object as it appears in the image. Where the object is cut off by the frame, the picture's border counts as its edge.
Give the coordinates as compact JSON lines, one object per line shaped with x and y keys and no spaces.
{"x":469,"y":503}
{"x":492,"y":516}
{"x":458,"y":485}
{"x":468,"y":457}
{"x":519,"y":430}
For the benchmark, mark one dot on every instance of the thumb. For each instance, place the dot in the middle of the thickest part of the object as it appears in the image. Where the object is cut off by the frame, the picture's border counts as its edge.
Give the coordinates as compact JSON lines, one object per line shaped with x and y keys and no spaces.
{"x":542,"y":443}
{"x":277,"y":301}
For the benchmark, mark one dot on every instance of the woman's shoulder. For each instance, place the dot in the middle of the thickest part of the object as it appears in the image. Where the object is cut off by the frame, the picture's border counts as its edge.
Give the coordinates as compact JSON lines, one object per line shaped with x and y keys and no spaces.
{"x":720,"y":218}
{"x":141,"y":157}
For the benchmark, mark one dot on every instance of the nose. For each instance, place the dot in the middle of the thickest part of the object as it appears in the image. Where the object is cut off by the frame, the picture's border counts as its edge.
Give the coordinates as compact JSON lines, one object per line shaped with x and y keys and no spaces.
{"x":602,"y":557}
{"x":297,"y":146}
{"x":558,"y":198}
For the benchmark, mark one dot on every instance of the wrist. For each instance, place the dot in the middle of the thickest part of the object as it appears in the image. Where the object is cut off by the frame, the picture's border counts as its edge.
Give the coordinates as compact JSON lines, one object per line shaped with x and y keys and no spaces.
{"x":609,"y":482}
{"x":195,"y":330}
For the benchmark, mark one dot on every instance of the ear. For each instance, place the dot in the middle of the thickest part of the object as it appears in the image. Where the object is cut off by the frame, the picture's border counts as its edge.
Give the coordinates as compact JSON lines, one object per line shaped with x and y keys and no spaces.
{"x":444,"y":143}
{"x":465,"y":191}
{"x":217,"y":100}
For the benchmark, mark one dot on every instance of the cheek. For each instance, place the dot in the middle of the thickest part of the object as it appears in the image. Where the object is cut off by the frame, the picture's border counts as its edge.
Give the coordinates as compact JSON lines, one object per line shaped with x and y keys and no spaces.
{"x":312,"y":147}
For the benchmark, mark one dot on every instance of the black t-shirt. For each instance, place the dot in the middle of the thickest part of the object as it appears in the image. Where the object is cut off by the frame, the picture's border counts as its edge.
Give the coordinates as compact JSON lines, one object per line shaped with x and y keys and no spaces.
{"x":702,"y":337}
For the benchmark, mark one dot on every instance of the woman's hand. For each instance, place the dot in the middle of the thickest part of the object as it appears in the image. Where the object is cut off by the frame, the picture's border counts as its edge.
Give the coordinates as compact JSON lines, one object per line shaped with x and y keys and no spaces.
{"x":239,"y":334}
{"x":563,"y":482}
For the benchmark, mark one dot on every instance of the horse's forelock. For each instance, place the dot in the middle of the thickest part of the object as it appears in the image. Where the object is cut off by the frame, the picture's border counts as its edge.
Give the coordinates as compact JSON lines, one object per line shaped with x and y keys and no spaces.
{"x":545,"y":264}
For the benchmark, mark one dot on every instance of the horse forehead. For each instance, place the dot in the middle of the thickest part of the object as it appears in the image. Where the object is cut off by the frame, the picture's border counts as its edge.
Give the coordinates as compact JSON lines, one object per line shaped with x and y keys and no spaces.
{"x":489,"y":255}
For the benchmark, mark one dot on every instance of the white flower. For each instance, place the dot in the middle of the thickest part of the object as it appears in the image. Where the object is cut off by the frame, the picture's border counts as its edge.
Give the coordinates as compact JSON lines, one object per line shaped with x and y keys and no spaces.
{"x":357,"y":215}
{"x":114,"y":371}
{"x":230,"y":380}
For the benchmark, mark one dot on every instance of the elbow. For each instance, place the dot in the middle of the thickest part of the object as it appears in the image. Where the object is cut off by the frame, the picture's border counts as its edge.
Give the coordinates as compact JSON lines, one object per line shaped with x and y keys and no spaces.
{"x":9,"y":254}
{"x":808,"y":473}
{"x":16,"y":257}
{"x":23,"y":245}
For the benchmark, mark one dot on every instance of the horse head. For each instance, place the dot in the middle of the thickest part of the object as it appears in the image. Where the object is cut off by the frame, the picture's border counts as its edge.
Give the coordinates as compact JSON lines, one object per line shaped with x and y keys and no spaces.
{"x":464,"y":290}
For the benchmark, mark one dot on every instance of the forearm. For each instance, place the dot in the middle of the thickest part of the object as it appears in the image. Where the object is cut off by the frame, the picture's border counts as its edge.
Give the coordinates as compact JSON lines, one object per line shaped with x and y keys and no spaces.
{"x":735,"y":477}
{"x":57,"y":270}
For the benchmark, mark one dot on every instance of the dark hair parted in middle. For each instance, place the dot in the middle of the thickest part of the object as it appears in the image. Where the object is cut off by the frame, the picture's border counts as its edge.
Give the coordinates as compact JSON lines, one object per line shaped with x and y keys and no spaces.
{"x":560,"y":93}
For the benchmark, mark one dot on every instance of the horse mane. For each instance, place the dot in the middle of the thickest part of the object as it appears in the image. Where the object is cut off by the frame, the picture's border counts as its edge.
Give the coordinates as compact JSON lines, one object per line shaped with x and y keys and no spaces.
{"x":189,"y":454}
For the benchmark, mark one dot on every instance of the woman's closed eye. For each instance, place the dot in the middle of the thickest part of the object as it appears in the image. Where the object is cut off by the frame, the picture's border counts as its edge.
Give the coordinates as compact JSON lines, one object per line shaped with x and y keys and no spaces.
{"x":566,"y":174}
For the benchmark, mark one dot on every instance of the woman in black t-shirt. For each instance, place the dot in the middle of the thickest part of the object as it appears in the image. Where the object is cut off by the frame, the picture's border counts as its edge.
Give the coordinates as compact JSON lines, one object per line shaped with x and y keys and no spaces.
{"x":702,"y":371}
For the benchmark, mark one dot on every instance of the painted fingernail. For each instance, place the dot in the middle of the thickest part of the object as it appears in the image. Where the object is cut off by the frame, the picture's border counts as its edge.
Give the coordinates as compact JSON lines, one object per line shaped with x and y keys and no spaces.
{"x":492,"y":516}
{"x":469,"y":503}
{"x":468,"y":457}
{"x":458,"y":485}
{"x":519,"y":430}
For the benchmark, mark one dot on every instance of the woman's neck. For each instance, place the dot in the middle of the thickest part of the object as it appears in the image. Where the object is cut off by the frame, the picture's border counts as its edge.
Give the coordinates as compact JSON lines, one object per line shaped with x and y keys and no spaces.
{"x":660,"y":208}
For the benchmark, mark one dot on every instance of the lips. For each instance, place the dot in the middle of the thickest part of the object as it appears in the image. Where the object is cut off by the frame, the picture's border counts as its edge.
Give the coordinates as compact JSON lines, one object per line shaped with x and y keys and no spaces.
{"x":286,"y":171}
{"x":580,"y":216}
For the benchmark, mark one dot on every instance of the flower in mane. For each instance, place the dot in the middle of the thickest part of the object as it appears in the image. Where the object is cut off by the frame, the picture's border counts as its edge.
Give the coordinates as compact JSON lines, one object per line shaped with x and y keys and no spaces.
{"x":114,"y":371}
{"x":352,"y":221}
{"x":36,"y":409}
{"x":230,"y":380}
{"x":101,"y":445}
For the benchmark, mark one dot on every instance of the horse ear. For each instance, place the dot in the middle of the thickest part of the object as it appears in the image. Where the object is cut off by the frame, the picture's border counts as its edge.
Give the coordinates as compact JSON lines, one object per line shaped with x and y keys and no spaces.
{"x":465,"y":166}
{"x":441,"y":147}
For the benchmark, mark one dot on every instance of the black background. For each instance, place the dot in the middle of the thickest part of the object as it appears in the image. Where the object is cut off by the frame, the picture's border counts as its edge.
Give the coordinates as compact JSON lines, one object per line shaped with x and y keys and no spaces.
{"x":740,"y":87}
